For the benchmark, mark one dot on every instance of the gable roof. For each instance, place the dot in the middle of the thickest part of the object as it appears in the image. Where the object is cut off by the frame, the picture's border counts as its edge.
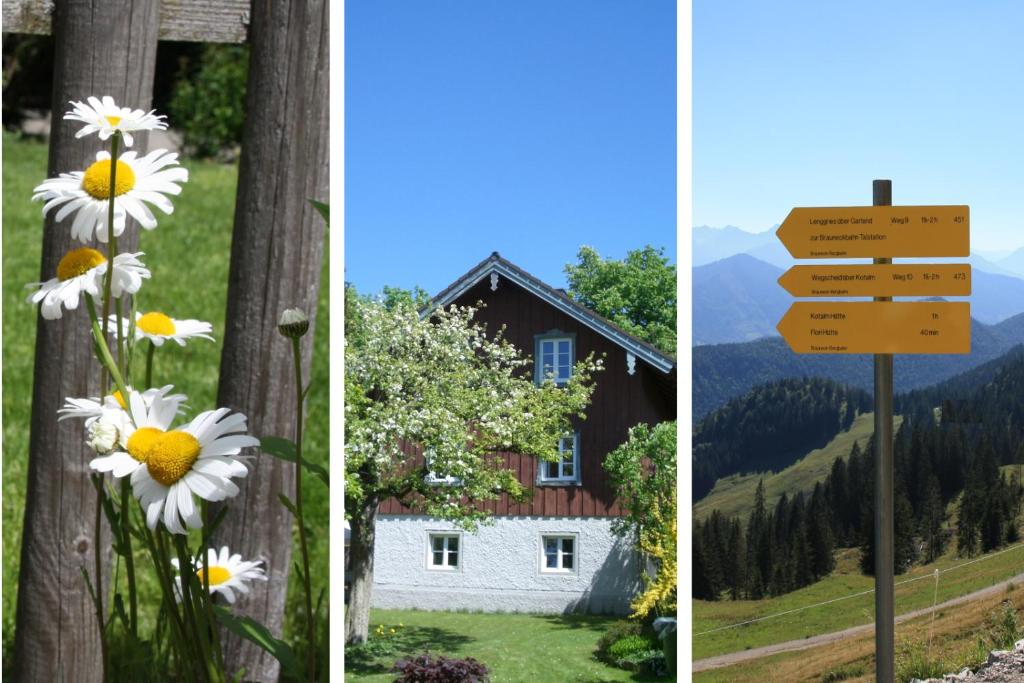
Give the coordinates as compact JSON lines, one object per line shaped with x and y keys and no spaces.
{"x":560,"y":300}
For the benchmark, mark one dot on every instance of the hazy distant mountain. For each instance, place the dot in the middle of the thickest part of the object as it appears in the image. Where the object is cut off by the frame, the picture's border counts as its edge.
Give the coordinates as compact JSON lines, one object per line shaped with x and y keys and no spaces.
{"x":713,"y":244}
{"x":737,"y":299}
{"x":724,"y":371}
{"x":1014,"y":262}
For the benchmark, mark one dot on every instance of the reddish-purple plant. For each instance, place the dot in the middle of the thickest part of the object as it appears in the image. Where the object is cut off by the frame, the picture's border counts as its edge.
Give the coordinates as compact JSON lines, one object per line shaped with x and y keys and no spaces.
{"x":423,"y":669}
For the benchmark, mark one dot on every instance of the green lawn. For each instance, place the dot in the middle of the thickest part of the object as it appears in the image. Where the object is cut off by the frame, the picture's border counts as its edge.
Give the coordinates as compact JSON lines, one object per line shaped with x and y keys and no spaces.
{"x":846,"y":580}
{"x":188,"y":255}
{"x":515,"y":647}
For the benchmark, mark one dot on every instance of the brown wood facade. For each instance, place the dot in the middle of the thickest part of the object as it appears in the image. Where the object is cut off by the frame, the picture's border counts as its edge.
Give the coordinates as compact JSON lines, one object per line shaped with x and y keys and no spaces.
{"x":619,"y":401}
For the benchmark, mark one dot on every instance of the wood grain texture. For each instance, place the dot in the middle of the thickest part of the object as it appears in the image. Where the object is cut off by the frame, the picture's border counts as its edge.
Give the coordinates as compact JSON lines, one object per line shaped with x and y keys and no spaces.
{"x":222,"y":21}
{"x":276,"y":254}
{"x":105,"y":48}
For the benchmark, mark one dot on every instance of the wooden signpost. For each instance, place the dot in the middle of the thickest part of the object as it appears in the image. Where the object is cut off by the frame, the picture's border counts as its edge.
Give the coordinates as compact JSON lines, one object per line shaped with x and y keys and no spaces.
{"x":878,"y":327}
{"x":946,"y":279}
{"x":876,"y":231}
{"x":881,"y":327}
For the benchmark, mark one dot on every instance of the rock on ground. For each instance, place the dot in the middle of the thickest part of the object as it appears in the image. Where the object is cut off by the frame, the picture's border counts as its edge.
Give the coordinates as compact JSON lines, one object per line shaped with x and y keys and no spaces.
{"x":1003,"y":666}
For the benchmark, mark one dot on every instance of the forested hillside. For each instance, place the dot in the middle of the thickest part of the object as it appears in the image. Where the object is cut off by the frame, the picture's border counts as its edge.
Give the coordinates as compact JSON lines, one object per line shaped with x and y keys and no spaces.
{"x":947,"y":457}
{"x":770,"y":427}
{"x":725,"y":371}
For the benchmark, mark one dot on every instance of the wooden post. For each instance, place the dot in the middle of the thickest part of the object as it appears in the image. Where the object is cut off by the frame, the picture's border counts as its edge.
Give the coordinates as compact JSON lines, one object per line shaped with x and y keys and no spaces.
{"x":276,"y":252}
{"x":102,"y":48}
{"x":884,"y":522}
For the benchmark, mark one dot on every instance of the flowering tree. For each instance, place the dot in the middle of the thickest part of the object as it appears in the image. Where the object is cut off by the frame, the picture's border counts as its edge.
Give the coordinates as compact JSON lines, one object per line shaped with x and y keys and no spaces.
{"x":440,"y":383}
{"x":643,"y":475}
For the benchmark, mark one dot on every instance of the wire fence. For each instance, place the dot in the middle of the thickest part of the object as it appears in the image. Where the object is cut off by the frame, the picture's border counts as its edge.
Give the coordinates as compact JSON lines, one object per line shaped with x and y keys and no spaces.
{"x":861,"y":593}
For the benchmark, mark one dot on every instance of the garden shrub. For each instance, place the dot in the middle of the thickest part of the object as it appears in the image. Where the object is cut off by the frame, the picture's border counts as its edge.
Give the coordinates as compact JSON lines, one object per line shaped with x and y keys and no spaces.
{"x":615,"y":633}
{"x":423,"y":669}
{"x":208,"y":104}
{"x":630,"y":646}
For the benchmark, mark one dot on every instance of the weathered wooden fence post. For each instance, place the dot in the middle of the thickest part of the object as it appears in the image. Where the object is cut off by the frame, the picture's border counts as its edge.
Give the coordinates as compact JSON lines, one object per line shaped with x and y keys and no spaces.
{"x":276,"y":255}
{"x":102,"y":48}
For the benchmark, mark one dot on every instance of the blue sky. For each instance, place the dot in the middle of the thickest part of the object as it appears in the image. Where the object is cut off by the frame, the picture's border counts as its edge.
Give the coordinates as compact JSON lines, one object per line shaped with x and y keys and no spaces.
{"x":804,"y":103}
{"x":529,"y":128}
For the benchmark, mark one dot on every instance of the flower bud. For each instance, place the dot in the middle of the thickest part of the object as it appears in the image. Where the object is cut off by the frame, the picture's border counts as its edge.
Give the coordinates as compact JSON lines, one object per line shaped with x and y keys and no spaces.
{"x":102,"y":437}
{"x":293,"y":323}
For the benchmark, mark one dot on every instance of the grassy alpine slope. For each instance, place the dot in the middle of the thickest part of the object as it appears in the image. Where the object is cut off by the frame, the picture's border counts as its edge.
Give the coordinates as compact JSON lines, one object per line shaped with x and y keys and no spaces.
{"x":925,"y":647}
{"x":734,"y":495}
{"x":845,"y":580}
{"x":188,"y":254}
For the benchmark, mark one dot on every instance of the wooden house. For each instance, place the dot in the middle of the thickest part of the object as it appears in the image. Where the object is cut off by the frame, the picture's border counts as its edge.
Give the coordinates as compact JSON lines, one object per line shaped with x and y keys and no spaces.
{"x":555,"y":552}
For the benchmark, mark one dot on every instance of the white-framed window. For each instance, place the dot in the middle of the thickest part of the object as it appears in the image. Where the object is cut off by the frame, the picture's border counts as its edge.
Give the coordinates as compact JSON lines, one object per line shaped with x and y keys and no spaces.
{"x":443,"y":551}
{"x":558,"y":553}
{"x":436,"y":479}
{"x":555,"y":356}
{"x":567,"y":469}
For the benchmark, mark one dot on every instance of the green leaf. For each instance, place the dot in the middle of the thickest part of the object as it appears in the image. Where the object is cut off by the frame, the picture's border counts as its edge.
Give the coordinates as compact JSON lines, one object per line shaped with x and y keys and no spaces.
{"x":324,"y":209}
{"x":120,"y":611}
{"x":278,"y":447}
{"x":257,"y":633}
{"x":285,"y":450}
{"x":287,"y":502}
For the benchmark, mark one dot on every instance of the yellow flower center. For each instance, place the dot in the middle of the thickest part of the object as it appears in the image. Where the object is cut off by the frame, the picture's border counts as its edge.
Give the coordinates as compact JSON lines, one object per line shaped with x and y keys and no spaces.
{"x":155,"y":322}
{"x":171,"y":456}
{"x":142,"y":440}
{"x":96,"y":180}
{"x":218,"y":575}
{"x":113,"y":121}
{"x":78,"y":262}
{"x":120,"y":400}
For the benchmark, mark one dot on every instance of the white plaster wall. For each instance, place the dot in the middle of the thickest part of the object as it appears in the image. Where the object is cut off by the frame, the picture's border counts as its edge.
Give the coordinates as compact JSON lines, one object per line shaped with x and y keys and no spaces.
{"x":499,"y":567}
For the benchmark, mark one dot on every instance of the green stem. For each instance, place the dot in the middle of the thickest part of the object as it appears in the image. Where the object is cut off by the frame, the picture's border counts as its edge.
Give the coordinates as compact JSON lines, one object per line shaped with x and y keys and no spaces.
{"x":111,"y":253}
{"x":186,"y":659}
{"x":129,"y":559}
{"x":188,"y":576}
{"x":150,"y":352}
{"x":310,"y":626}
{"x":104,"y":351}
{"x":97,"y":481}
{"x":207,"y":595}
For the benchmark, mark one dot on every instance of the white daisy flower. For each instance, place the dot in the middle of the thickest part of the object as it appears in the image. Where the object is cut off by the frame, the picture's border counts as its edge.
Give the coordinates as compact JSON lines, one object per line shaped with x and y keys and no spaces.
{"x":139,"y":181}
{"x":81,"y":271}
{"x":227,"y":573}
{"x":106,"y":118}
{"x":199,"y":458}
{"x":152,"y":413}
{"x":159,"y":327}
{"x":94,"y":408}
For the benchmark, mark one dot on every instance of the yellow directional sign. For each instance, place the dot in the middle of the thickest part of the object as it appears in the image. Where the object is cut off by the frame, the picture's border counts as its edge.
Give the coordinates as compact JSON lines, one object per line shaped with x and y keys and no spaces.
{"x":877,"y":231}
{"x":949,"y":279}
{"x":877,"y":327}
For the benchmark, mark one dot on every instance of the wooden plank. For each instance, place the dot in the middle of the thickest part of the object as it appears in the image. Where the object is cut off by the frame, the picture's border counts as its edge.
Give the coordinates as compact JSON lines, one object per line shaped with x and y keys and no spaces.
{"x":276,"y":251}
{"x":104,"y":50}
{"x":202,"y":21}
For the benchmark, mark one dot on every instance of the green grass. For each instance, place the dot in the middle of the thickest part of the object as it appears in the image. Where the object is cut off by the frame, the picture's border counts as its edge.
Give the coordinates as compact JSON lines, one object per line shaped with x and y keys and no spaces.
{"x":734,"y":495}
{"x":515,"y":647}
{"x":188,"y":255}
{"x":846,"y":580}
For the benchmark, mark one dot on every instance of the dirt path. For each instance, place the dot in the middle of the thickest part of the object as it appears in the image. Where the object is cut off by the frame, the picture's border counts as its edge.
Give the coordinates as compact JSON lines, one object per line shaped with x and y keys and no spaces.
{"x":805,"y":643}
